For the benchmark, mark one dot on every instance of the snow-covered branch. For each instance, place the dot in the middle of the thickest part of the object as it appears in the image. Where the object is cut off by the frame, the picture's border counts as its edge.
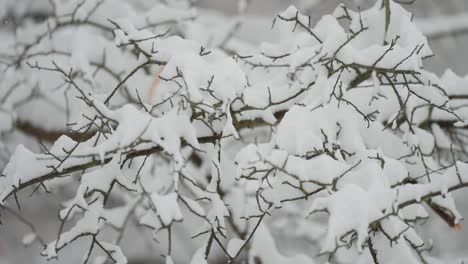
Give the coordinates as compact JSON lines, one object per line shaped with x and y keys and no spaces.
{"x":163,"y":122}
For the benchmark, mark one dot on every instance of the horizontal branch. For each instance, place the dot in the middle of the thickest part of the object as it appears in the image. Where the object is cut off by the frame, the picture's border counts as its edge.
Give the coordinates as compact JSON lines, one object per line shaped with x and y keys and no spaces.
{"x":46,"y":135}
{"x":94,"y":163}
{"x":444,"y":26}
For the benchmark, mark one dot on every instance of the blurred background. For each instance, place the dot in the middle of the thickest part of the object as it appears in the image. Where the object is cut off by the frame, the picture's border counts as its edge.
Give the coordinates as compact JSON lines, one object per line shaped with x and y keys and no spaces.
{"x":445,"y":22}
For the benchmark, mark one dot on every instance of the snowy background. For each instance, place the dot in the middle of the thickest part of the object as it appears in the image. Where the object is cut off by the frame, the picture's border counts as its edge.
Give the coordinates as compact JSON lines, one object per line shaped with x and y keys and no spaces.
{"x":450,"y":50}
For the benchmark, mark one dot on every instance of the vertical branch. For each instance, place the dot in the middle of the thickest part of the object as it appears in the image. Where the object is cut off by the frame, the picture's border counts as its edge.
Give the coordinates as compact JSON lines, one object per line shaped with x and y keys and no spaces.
{"x":387,"y":16}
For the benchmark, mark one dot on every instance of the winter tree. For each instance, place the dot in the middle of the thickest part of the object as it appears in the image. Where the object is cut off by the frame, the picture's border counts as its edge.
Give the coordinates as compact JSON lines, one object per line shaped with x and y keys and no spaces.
{"x":154,"y":117}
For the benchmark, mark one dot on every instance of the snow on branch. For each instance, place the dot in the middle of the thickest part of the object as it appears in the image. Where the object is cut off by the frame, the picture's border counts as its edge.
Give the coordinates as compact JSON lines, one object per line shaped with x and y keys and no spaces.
{"x":169,"y":130}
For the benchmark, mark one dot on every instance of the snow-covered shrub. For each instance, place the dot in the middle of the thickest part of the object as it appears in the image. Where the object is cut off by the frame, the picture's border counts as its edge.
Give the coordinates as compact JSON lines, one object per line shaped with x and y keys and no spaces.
{"x":156,"y":116}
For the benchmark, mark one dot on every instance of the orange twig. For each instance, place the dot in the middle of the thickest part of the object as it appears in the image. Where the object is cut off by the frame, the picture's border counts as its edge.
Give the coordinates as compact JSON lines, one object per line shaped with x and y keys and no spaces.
{"x":154,"y":84}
